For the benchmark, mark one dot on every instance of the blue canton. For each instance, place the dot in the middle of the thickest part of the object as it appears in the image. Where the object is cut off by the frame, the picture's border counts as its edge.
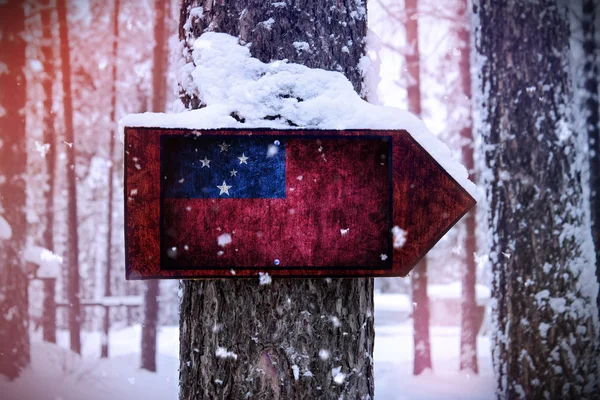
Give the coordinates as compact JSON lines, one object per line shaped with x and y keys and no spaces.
{"x":222,"y":167}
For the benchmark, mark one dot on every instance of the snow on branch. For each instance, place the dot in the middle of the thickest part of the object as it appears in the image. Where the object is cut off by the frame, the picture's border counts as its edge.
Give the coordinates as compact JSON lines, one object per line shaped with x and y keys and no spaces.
{"x":239,"y":91}
{"x":49,"y":263}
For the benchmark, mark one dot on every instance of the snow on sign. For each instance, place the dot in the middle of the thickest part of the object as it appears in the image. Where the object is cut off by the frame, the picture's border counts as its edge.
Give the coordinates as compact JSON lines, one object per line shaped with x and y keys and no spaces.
{"x":296,"y":203}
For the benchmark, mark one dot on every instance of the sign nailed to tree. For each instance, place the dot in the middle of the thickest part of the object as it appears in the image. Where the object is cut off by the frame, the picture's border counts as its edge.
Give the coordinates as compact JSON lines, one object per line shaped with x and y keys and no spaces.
{"x":224,"y":203}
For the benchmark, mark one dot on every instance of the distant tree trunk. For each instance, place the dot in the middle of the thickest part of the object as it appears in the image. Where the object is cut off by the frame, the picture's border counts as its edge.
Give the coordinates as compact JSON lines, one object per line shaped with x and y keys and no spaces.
{"x":544,"y":287}
{"x":47,"y":47}
{"x":592,"y":112}
{"x":14,"y":318}
{"x":468,"y":305}
{"x":277,"y":328}
{"x":418,"y":277}
{"x":73,"y":295}
{"x":421,"y":315}
{"x":110,"y":172}
{"x":159,"y":89}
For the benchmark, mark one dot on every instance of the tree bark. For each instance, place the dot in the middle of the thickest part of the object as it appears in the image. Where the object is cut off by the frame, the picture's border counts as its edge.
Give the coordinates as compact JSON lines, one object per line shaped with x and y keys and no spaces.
{"x":73,"y":295}
{"x":14,"y":318}
{"x":544,"y":288}
{"x":159,"y":86}
{"x":468,"y":305}
{"x":418,"y":278}
{"x":592,"y":112}
{"x":290,"y":337}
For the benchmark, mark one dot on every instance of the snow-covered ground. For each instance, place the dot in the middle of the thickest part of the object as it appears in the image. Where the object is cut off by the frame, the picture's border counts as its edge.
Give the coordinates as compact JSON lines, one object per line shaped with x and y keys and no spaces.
{"x":393,"y":367}
{"x":56,"y":374}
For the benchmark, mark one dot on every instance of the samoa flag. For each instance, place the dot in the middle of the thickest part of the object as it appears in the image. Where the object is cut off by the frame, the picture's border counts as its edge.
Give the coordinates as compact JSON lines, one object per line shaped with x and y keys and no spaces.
{"x":253,"y":201}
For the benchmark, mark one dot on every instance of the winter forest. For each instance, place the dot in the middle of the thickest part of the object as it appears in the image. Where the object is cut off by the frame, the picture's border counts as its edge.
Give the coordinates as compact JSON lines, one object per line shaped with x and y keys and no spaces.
{"x":505,"y":306}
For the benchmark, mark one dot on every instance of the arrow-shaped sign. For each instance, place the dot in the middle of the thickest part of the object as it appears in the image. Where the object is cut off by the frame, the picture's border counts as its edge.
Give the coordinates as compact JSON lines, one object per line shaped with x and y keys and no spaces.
{"x":296,"y":203}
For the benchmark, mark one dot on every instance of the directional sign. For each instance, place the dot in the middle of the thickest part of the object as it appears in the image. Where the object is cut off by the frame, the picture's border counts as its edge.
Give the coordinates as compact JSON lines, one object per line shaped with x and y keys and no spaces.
{"x":292,"y":203}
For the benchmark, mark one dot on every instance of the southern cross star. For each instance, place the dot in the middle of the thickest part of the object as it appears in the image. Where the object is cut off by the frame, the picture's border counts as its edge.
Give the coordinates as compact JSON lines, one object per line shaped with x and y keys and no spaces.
{"x":205,"y":162}
{"x":224,"y":147}
{"x":224,"y":188}
{"x":243,"y":159}
{"x":233,"y":172}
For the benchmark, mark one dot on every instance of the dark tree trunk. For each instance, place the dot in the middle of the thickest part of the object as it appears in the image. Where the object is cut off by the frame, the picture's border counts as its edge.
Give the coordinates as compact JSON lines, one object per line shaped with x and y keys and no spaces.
{"x":544,"y":287}
{"x":110,"y":172}
{"x":73,"y":296}
{"x":312,"y":326}
{"x":150,"y":326}
{"x":468,"y":305}
{"x":14,"y":319}
{"x":592,"y":112}
{"x":159,"y":86}
{"x":418,"y":278}
{"x":49,"y":310}
{"x":47,"y":47}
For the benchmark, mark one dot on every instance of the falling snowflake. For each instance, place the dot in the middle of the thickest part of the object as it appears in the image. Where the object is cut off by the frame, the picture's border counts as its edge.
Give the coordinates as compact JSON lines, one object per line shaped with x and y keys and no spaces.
{"x":264,"y":278}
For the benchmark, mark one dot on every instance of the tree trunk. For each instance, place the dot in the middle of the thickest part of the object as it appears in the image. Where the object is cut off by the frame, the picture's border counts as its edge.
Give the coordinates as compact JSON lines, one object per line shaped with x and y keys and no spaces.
{"x":47,"y":47}
{"x":159,"y":86}
{"x":160,"y":55}
{"x":420,"y":300}
{"x":418,"y":278}
{"x":289,"y":337}
{"x":468,"y":305}
{"x":110,"y":172}
{"x":49,"y":310}
{"x":592,"y":112}
{"x":73,"y":296}
{"x":544,"y":288}
{"x":150,"y":326}
{"x":14,"y":318}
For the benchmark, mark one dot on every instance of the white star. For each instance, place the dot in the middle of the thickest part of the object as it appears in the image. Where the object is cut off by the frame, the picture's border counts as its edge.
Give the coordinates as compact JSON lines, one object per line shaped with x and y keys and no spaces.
{"x":205,"y":162}
{"x":224,"y":147}
{"x":224,"y":188}
{"x":243,"y":159}
{"x":233,"y":172}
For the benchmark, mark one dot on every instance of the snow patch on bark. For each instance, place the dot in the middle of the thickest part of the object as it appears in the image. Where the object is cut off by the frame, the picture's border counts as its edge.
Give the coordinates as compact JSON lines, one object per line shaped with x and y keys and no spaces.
{"x":338,"y":376}
{"x":222,"y":352}
{"x":370,"y":67}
